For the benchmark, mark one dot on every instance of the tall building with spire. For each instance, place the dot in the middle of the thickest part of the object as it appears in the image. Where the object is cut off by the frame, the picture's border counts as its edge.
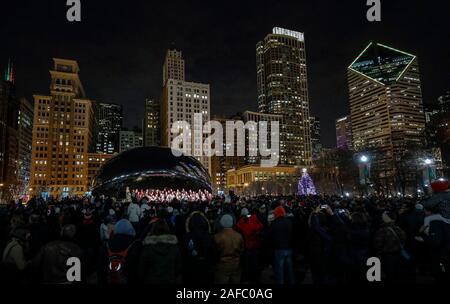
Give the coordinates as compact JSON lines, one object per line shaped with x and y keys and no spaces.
{"x":16,"y":118}
{"x":173,"y":67}
{"x":282,"y":88}
{"x":180,"y":101}
{"x":386,"y":105}
{"x":62,"y":134}
{"x":9,"y":109}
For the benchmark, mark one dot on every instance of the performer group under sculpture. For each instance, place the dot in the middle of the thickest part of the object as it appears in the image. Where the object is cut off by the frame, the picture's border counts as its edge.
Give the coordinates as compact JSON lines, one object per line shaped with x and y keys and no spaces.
{"x":306,"y":185}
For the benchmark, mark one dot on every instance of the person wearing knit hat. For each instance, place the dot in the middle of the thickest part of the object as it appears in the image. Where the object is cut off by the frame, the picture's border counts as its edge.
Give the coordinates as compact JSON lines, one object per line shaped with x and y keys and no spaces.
{"x":124,"y":227}
{"x":281,"y":237}
{"x":389,"y":241}
{"x":439,"y":202}
{"x":279,"y":212}
{"x":227,"y":221}
{"x":244,"y":212}
{"x":230,"y":245}
{"x":436,"y":232}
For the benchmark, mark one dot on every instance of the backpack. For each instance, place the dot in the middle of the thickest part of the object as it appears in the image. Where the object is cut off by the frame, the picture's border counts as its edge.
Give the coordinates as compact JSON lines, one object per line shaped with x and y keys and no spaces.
{"x":116,"y":265}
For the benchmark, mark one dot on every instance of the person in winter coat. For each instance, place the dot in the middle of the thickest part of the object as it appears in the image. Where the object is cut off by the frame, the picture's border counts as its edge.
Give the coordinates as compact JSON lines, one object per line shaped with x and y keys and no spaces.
{"x":389,"y":242}
{"x":250,"y":227}
{"x":51,"y":261}
{"x":198,"y":250}
{"x":39,"y":234}
{"x":160,"y":260}
{"x":13,"y":258}
{"x":230,"y":245}
{"x":436,"y":234}
{"x":358,"y":247}
{"x":280,"y":235}
{"x":134,"y":214}
{"x":119,"y":255}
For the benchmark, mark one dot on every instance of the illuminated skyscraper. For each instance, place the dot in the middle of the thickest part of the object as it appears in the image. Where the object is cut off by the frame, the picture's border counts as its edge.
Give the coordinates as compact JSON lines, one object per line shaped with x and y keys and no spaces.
{"x":344,"y":133}
{"x":152,"y":126}
{"x":9,"y":109}
{"x":108,"y":123}
{"x":386,"y":104}
{"x":316,"y":140}
{"x":283,"y":89}
{"x":25,"y":138}
{"x":62,"y":134}
{"x":180,"y":101}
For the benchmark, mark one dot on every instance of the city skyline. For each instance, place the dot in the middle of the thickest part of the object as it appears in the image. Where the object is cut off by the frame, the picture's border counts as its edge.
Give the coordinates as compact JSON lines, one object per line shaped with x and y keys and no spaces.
{"x":129,"y":72}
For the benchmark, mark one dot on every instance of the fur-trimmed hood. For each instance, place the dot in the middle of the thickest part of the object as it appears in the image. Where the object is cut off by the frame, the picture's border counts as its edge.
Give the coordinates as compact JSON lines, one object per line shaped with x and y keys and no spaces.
{"x":160,"y":239}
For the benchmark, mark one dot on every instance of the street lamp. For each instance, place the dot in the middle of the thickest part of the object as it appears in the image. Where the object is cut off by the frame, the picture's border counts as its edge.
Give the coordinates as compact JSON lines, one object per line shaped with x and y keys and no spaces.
{"x":428,"y":173}
{"x":364,"y":168}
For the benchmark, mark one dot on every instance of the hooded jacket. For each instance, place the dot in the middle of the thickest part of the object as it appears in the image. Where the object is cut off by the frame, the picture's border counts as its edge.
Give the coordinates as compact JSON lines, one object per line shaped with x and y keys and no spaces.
{"x":160,"y":261}
{"x":52,"y":260}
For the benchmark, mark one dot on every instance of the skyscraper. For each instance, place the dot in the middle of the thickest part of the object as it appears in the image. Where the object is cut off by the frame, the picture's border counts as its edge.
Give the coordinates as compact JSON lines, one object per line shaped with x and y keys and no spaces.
{"x":344,"y":133}
{"x":386,"y":104}
{"x":25,"y":136}
{"x":62,"y":134}
{"x":220,"y":164}
{"x":437,"y":116}
{"x":9,"y":109}
{"x":152,"y":126}
{"x":444,"y":102}
{"x":180,"y":101}
{"x":173,"y":67}
{"x":108,"y":123}
{"x":130,"y":139}
{"x":316,"y":140}
{"x":282,"y":88}
{"x":260,"y":117}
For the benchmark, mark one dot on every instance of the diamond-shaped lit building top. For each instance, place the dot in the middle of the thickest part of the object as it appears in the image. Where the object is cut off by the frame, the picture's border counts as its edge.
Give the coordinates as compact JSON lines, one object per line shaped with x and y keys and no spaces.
{"x":382,"y":63}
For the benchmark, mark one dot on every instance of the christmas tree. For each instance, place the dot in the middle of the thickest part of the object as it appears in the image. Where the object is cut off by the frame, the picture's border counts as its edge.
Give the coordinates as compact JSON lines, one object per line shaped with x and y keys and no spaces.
{"x":306,"y":185}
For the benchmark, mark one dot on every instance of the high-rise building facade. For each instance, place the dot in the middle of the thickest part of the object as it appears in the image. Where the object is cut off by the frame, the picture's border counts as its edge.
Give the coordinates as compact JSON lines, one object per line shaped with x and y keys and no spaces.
{"x":444,"y":102}
{"x":437,"y":116}
{"x":152,"y":126}
{"x":180,"y":101}
{"x":62,"y":134}
{"x":316,"y":141}
{"x":130,"y":139}
{"x":344,"y":133}
{"x":25,"y":138}
{"x":95,"y":162}
{"x":282,"y":88}
{"x":261,"y":117}
{"x":386,"y":104}
{"x":173,"y":67}
{"x":220,"y":164}
{"x":108,"y":123}
{"x":9,"y":109}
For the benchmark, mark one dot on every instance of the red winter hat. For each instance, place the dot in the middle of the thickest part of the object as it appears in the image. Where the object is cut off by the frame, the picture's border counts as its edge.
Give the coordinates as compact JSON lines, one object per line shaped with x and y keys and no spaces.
{"x":439,"y":185}
{"x":279,"y":212}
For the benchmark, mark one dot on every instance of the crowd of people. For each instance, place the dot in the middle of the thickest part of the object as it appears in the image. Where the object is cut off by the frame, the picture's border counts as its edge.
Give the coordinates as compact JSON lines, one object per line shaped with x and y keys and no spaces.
{"x":168,"y":195}
{"x":285,"y":240}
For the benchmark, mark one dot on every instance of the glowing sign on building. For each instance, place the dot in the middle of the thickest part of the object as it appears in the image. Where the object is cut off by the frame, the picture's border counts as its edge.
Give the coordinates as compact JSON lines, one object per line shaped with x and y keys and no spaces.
{"x":281,"y":31}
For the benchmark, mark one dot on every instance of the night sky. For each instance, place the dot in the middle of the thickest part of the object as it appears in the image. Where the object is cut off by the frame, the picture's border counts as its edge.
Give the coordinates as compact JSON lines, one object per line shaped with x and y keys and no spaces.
{"x":120,"y":47}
